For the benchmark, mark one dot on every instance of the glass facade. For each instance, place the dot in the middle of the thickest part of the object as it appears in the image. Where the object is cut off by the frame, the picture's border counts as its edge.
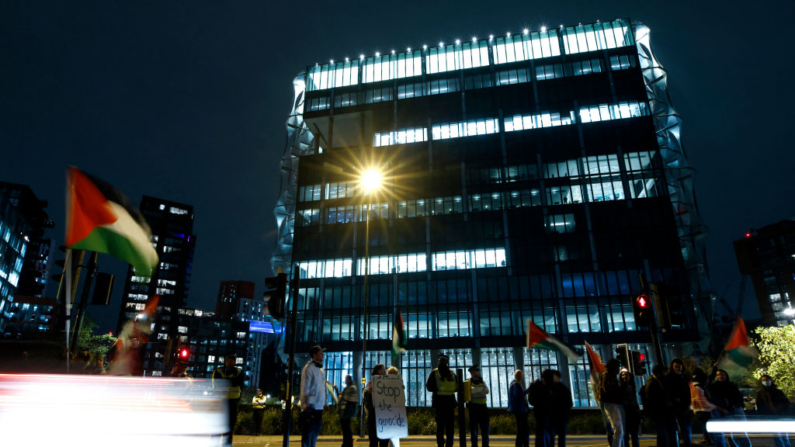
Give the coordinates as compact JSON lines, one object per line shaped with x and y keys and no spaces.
{"x":480,"y":225}
{"x":14,"y":231}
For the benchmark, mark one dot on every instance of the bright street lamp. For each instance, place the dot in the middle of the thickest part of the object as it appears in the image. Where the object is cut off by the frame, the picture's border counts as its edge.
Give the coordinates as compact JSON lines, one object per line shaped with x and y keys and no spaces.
{"x":371,"y":181}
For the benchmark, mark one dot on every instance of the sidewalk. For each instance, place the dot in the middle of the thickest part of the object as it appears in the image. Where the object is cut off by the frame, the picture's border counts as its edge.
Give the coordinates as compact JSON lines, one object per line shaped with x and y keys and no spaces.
{"x":276,"y":440}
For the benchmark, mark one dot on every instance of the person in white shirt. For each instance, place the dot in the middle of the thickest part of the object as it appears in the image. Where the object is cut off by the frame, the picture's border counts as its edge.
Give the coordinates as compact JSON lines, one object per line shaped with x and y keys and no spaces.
{"x":313,"y":397}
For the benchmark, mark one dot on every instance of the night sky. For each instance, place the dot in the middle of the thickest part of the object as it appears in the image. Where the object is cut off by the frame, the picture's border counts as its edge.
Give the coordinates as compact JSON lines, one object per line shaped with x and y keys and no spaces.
{"x":187,"y":101}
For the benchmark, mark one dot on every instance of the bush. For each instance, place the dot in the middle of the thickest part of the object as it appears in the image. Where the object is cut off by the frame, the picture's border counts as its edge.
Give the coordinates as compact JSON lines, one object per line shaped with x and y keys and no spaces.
{"x":422,"y":421}
{"x":502,"y":424}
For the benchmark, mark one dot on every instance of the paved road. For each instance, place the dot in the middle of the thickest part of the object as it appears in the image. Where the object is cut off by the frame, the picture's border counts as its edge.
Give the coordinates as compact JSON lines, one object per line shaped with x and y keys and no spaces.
{"x":430,"y":441}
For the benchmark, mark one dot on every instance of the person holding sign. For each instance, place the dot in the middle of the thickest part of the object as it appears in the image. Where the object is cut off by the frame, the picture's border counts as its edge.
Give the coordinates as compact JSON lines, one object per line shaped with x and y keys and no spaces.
{"x":348,"y":400}
{"x":442,"y":383}
{"x":372,"y":433}
{"x":478,"y":412}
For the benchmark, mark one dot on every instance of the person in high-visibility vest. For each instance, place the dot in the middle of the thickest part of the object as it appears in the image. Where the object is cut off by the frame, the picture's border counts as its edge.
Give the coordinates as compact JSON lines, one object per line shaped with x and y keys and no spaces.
{"x":478,"y":411}
{"x":258,"y":411}
{"x":234,"y":379}
{"x":442,"y":383}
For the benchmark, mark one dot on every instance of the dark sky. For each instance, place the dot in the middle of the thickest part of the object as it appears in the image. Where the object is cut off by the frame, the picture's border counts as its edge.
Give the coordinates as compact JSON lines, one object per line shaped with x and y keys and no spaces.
{"x":187,"y":101}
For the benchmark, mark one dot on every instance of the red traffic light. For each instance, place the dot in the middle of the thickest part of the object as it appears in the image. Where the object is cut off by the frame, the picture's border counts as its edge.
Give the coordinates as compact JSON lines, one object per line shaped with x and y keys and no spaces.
{"x":184,"y":353}
{"x":642,"y":357}
{"x":747,"y":234}
{"x":643,"y":301}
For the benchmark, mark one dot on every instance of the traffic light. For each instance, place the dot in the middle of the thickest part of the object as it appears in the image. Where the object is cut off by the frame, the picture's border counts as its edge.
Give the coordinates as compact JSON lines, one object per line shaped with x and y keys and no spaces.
{"x":183,"y":354}
{"x":670,"y":308}
{"x":641,"y":306}
{"x":638,"y":363}
{"x":623,"y":355}
{"x":275,"y":294}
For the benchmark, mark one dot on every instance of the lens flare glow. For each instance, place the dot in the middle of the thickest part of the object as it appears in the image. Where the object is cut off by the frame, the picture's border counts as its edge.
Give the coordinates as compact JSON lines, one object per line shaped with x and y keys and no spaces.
{"x":371,"y":180}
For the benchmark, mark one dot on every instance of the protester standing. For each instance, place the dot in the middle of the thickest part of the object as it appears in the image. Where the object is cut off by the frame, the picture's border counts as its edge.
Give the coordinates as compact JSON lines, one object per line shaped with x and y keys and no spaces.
{"x":313,"y":397}
{"x":656,"y":405}
{"x":442,"y":383}
{"x":771,"y":401}
{"x":704,"y":407}
{"x":540,"y":397}
{"x":378,"y":370}
{"x":677,"y":387}
{"x":234,"y":377}
{"x":631,"y":408}
{"x":517,"y":404}
{"x":258,"y":411}
{"x":478,"y":411}
{"x":348,"y":401}
{"x":561,"y":405}
{"x":727,"y":395}
{"x":611,"y":397}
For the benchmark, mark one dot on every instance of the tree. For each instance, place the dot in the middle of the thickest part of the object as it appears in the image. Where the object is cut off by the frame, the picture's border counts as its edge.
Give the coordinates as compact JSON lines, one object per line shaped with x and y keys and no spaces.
{"x":88,"y":341}
{"x":776,"y":356}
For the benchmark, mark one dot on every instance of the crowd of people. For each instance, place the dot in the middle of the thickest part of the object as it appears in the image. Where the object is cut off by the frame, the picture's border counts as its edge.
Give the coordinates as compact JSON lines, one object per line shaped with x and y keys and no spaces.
{"x":671,"y":398}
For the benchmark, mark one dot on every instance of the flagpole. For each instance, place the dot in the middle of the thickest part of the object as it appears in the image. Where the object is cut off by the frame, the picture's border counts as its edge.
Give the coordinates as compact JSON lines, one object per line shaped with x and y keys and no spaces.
{"x":68,"y":301}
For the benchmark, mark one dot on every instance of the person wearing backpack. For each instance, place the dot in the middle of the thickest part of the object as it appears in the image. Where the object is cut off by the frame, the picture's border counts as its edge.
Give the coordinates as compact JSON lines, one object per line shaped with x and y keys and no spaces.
{"x":349,"y":399}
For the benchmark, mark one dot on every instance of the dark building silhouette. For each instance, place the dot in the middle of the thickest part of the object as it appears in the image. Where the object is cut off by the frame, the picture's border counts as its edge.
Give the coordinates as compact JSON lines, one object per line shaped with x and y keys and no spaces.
{"x":236,"y":301}
{"x":528,"y":176}
{"x":171,"y":224}
{"x":768,"y":255}
{"x":35,"y":270}
{"x":208,"y":340}
{"x":229,"y":295}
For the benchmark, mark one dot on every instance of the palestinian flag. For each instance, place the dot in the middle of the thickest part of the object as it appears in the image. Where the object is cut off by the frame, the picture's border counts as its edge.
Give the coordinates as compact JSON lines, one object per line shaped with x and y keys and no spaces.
{"x":398,"y":339}
{"x":738,"y":353}
{"x":99,"y":218}
{"x":597,"y":366}
{"x":537,"y":338}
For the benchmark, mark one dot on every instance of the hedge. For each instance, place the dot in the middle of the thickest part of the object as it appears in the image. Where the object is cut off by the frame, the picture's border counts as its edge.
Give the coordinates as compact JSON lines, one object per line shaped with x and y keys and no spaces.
{"x":421,"y":421}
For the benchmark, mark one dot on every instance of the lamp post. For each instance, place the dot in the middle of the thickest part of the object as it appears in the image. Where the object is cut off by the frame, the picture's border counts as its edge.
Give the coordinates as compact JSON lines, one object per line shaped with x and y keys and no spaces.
{"x":370,"y":182}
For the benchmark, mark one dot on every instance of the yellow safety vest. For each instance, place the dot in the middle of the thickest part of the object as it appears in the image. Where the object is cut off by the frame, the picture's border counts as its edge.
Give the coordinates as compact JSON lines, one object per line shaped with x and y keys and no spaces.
{"x":444,"y":387}
{"x":475,"y":397}
{"x":233,"y":391}
{"x":258,"y":406}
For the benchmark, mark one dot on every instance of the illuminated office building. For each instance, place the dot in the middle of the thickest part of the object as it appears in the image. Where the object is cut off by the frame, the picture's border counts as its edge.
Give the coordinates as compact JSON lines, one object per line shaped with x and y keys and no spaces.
{"x":532,"y":175}
{"x":171,"y":224}
{"x":236,"y":301}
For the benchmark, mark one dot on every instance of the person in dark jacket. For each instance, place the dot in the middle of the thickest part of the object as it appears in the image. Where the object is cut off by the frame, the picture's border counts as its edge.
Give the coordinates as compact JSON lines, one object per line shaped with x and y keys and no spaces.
{"x":656,"y":405}
{"x":540,"y":397}
{"x":378,"y":370}
{"x":611,"y":398}
{"x":631,"y":408}
{"x":561,"y":405}
{"x":677,"y":388}
{"x":727,"y":395}
{"x":517,"y":404}
{"x":443,"y":384}
{"x":771,"y":401}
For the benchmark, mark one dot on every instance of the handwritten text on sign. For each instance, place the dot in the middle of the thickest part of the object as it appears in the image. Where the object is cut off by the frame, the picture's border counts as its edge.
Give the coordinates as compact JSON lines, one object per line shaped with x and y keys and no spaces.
{"x":389,"y":400}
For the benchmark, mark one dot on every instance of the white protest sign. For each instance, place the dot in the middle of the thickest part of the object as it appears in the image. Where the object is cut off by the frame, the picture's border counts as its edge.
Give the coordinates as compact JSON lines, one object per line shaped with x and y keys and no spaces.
{"x":389,"y":400}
